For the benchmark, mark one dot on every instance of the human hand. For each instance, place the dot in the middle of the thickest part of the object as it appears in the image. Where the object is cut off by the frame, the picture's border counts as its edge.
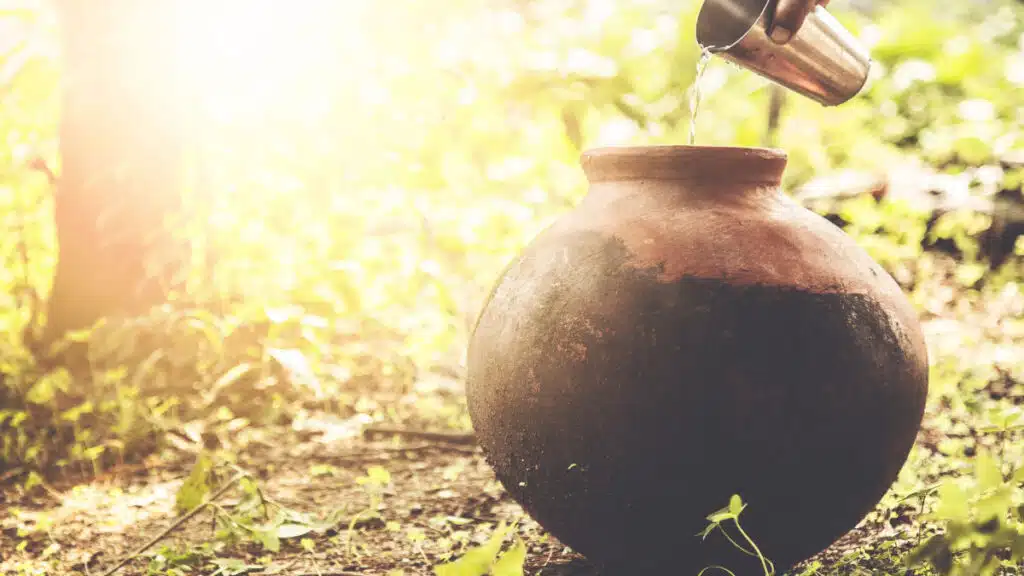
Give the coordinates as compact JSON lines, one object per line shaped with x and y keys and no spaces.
{"x":789,"y":17}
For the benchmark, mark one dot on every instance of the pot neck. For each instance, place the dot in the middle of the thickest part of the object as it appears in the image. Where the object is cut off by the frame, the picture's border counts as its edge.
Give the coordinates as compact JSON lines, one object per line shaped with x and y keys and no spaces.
{"x":695,"y":166}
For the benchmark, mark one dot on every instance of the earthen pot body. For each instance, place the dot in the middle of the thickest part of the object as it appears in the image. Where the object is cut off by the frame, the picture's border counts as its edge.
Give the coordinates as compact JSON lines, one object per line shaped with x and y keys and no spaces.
{"x":687,"y":333}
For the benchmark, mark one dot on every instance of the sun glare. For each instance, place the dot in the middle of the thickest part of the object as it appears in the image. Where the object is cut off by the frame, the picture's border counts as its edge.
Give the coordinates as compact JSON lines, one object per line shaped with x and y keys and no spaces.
{"x":245,"y":60}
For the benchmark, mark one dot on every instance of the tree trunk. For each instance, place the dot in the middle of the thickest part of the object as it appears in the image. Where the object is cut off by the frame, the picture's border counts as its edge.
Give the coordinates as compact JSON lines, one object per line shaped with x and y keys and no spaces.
{"x":122,"y":151}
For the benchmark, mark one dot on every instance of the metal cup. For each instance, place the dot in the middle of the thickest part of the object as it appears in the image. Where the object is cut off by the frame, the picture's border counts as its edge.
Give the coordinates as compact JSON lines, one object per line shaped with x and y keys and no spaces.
{"x":822,"y":61}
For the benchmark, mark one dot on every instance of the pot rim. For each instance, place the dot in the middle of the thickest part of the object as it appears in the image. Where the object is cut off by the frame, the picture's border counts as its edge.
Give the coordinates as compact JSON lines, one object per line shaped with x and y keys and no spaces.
{"x":685,"y":150}
{"x":713,"y":164}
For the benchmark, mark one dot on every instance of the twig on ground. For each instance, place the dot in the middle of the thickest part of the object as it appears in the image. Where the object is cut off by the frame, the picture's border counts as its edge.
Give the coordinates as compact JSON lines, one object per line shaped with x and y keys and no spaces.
{"x":87,"y":565}
{"x":425,"y":446}
{"x":388,"y":450}
{"x":257,"y":570}
{"x":379,"y":453}
{"x":329,"y":573}
{"x":177,"y":523}
{"x":459,"y":438}
{"x":11,"y":474}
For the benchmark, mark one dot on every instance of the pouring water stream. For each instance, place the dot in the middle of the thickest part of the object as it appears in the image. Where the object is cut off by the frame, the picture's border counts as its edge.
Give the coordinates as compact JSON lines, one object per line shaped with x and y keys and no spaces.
{"x":702,"y":64}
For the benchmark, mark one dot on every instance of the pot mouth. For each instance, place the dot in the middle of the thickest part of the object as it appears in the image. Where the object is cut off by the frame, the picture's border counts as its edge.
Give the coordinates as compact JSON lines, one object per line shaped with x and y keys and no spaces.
{"x":711,"y":164}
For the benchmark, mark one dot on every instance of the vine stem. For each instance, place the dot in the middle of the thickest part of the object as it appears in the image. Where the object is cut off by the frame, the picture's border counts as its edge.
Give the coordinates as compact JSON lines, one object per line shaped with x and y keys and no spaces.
{"x":764,"y":562}
{"x":737,"y":544}
{"x":177,"y":523}
{"x":717,"y":567}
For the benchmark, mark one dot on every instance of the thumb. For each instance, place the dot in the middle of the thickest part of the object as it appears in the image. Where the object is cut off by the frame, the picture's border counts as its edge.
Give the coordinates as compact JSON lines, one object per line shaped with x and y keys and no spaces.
{"x":789,"y":17}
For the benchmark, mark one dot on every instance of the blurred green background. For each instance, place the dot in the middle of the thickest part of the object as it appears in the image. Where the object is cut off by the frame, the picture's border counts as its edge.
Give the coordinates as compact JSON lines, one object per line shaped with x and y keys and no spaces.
{"x":359,"y":173}
{"x":377,"y":168}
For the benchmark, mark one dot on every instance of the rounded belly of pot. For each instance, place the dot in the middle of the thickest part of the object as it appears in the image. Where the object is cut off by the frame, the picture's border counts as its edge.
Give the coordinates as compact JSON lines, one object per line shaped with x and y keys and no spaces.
{"x":620,"y":408}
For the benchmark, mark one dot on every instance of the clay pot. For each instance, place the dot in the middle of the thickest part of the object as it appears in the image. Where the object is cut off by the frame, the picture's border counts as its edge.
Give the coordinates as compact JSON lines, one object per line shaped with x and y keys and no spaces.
{"x":687,"y":333}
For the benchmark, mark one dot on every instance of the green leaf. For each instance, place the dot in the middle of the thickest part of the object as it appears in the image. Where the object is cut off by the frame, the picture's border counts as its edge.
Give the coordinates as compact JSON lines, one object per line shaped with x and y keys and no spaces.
{"x":994,"y":505}
{"x":928,"y":550}
{"x":227,"y":379}
{"x":323,"y":470}
{"x":45,"y":389}
{"x":512,"y":561}
{"x":973,"y":150}
{"x":375,"y":476}
{"x":1008,"y":416}
{"x":968,"y":273}
{"x":196,"y":487}
{"x":74,"y":414}
{"x":721,"y":516}
{"x":572,"y":124}
{"x":332,"y":519}
{"x":19,"y":418}
{"x":735,"y":505}
{"x":268,"y":538}
{"x":33,"y":480}
{"x":232,"y":567}
{"x":986,"y":470}
{"x":952,"y":503}
{"x":476,"y":561}
{"x":94,"y":452}
{"x":707,"y":530}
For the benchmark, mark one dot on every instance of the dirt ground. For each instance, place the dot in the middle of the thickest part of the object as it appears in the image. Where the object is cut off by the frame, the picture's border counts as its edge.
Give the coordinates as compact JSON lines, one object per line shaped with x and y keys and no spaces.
{"x":444,"y":491}
{"x":442,"y":495}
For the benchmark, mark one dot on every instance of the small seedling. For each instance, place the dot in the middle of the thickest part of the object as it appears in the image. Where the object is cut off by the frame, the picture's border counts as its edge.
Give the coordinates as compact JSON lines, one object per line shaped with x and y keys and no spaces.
{"x":732,"y":513}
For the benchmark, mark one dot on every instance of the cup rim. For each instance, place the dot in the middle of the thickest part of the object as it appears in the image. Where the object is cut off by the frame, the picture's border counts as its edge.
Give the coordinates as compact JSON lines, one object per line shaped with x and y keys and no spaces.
{"x":703,"y":15}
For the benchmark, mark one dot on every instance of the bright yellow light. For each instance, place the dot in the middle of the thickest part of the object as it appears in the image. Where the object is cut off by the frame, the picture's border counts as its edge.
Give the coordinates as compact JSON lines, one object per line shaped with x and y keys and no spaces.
{"x":245,"y":60}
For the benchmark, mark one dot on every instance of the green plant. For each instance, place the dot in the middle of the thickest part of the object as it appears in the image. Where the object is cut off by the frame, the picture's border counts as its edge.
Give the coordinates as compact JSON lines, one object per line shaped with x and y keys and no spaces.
{"x":891,"y":231}
{"x":962,"y":228}
{"x":179,"y":560}
{"x":255,"y":518}
{"x":487,"y":559}
{"x":374,"y":482}
{"x":731,"y":513}
{"x":982,"y":514}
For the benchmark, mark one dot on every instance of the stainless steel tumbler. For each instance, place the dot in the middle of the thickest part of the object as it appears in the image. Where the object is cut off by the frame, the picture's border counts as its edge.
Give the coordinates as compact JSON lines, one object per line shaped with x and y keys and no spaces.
{"x":822,"y":61}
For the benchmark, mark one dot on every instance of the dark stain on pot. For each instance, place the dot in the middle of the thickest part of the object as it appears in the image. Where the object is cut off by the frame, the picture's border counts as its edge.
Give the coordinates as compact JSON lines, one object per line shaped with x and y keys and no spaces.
{"x":620,"y":409}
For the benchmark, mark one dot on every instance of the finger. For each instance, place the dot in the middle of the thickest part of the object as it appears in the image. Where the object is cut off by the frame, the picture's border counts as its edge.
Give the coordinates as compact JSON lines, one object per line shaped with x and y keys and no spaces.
{"x":789,"y":16}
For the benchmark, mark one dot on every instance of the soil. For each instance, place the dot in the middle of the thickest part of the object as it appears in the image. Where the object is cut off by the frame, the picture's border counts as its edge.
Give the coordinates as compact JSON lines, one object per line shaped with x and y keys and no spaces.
{"x":439,"y":488}
{"x":442,"y":494}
